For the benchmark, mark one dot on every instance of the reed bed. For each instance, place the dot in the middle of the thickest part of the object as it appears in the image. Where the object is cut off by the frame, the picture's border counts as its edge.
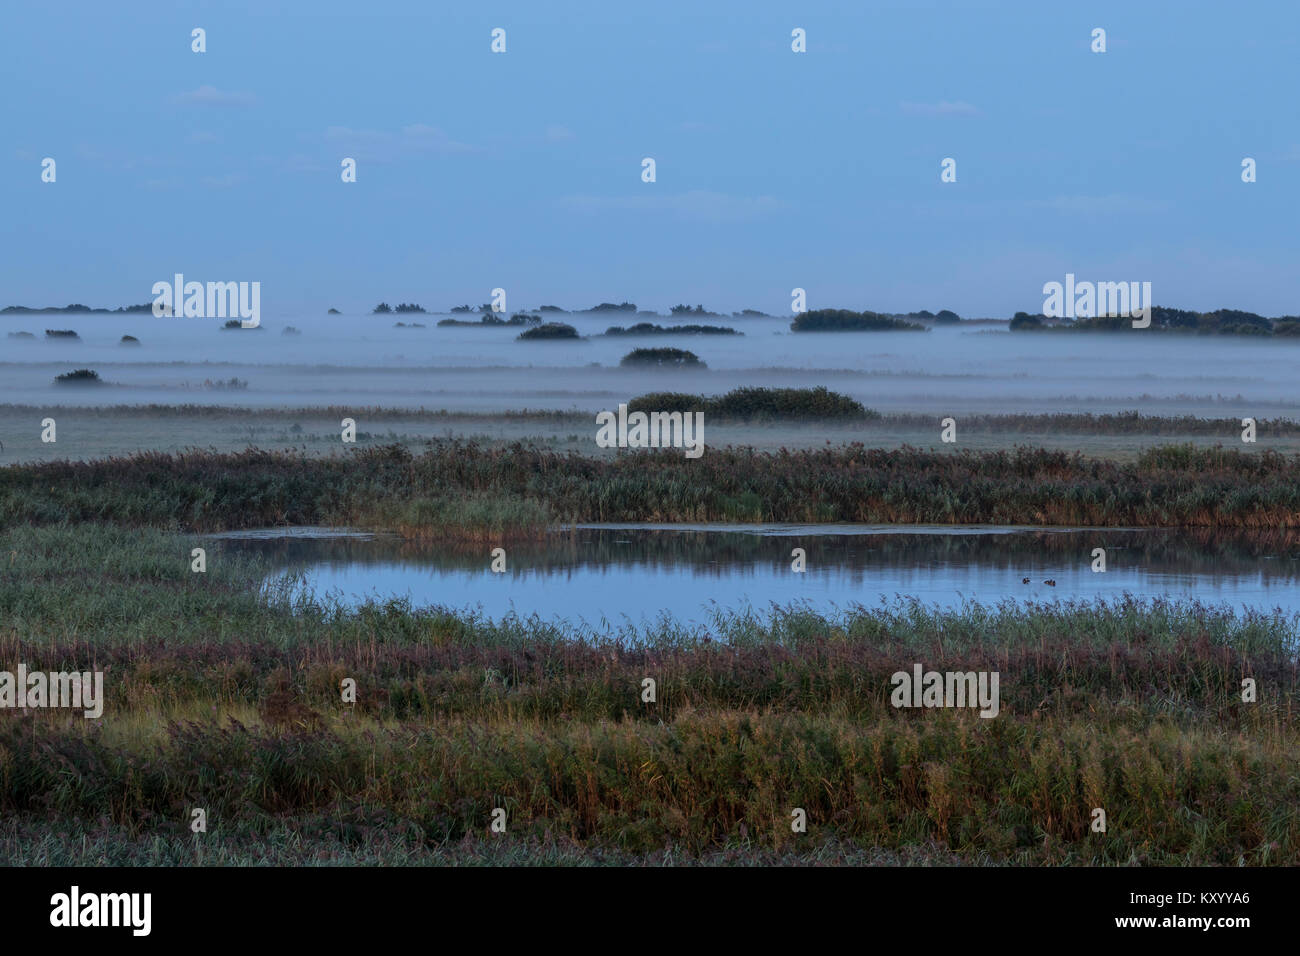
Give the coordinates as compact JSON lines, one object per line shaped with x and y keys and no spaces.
{"x":225,"y":695}
{"x":464,"y":487}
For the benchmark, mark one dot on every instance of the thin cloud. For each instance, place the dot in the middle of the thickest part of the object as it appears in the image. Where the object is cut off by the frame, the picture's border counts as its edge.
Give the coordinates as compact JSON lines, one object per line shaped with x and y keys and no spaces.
{"x":223,"y":182}
{"x":386,"y":146}
{"x":558,"y":134}
{"x":211,"y":96}
{"x":942,"y":108}
{"x":697,"y":205}
{"x":1111,"y":205}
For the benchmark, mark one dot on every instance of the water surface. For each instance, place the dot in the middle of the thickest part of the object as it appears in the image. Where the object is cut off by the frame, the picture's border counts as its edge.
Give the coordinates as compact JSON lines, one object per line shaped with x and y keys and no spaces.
{"x":633,"y":573}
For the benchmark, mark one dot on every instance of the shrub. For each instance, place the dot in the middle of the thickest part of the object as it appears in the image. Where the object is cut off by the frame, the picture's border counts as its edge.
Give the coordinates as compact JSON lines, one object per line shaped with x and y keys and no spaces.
{"x":763,"y":403}
{"x":21,"y":335}
{"x":1024,"y":322}
{"x":662,"y":358}
{"x":128,"y":340}
{"x":844,"y":320}
{"x":61,"y":334}
{"x":82,"y":376}
{"x":649,"y":328}
{"x":550,"y":330}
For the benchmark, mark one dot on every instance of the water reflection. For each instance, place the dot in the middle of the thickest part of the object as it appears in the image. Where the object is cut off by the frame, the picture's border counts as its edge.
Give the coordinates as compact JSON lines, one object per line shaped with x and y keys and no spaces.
{"x":618,"y":572}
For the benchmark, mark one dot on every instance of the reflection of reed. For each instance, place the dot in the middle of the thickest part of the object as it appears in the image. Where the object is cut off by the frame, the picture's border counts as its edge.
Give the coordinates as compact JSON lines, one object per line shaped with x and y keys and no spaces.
{"x":1201,"y":552}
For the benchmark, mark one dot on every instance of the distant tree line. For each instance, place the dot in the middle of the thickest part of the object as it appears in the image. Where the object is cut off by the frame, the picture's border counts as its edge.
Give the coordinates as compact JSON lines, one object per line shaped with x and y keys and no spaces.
{"x":75,"y":307}
{"x":1163,"y":319}
{"x":649,"y":328}
{"x":845,"y":320}
{"x":491,"y":319}
{"x":383,"y":308}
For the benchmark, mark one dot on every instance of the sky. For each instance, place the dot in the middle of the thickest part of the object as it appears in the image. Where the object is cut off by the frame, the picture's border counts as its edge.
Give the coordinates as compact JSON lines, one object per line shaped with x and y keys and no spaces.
{"x":774,"y":169}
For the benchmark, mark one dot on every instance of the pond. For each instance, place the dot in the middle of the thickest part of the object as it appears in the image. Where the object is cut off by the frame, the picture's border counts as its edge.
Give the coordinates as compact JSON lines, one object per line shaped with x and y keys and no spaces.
{"x":633,"y":573}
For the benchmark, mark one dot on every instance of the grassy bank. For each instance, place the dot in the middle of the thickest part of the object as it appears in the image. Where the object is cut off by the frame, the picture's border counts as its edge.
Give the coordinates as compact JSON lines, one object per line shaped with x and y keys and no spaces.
{"x":221,"y":698}
{"x":486,"y":493}
{"x":117,"y":430}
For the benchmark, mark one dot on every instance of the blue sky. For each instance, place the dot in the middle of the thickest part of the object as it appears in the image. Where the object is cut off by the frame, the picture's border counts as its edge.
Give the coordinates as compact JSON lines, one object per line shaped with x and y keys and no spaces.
{"x":774,"y":169}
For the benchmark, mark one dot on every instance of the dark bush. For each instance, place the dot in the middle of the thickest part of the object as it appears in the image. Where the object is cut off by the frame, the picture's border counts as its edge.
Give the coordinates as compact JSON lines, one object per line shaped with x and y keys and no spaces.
{"x":1024,"y":322}
{"x":551,"y":330}
{"x":82,"y":376}
{"x":662,"y":358}
{"x":760,"y":403}
{"x":844,"y":320}
{"x":649,"y":328}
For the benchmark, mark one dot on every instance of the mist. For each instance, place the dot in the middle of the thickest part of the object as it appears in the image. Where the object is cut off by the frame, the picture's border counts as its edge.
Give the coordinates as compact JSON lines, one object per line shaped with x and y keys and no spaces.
{"x":368,"y":361}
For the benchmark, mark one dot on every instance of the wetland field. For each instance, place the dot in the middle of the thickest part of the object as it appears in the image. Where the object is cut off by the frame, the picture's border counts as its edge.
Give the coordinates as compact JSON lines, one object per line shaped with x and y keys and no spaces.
{"x":373,"y":651}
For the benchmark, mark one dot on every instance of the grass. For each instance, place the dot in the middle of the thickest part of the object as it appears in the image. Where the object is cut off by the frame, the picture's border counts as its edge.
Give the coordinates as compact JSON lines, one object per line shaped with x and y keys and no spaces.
{"x":462,"y":486}
{"x":1131,"y":706}
{"x":805,"y":404}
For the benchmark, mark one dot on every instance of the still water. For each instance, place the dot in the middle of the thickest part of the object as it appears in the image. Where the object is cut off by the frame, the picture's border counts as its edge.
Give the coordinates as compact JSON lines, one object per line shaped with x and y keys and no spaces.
{"x":632,"y":573}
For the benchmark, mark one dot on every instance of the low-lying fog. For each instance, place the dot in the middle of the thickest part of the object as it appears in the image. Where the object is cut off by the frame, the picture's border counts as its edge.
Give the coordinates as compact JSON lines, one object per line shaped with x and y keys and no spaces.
{"x":366,"y":360}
